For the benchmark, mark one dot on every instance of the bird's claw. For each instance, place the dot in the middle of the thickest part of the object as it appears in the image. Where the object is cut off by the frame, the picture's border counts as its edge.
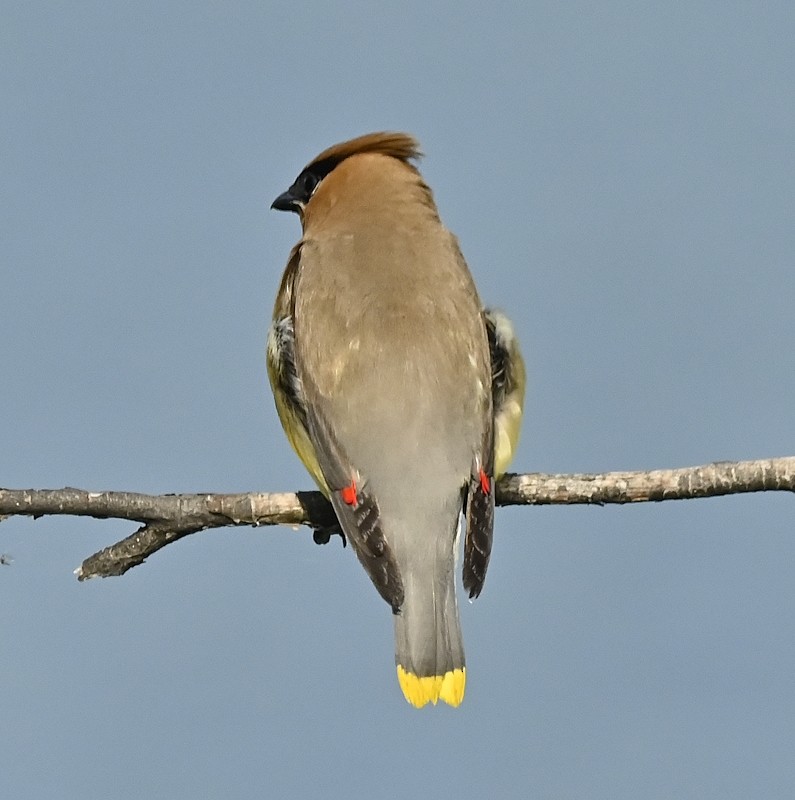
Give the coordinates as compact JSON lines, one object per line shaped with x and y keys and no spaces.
{"x":323,"y":535}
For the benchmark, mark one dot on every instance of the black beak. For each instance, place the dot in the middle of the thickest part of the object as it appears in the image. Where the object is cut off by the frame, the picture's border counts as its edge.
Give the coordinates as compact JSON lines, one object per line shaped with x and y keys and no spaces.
{"x":286,"y":202}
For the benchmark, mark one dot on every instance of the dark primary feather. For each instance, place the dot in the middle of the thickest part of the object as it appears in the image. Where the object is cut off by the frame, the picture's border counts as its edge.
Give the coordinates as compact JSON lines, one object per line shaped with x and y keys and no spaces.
{"x":479,"y":519}
{"x":362,"y":524}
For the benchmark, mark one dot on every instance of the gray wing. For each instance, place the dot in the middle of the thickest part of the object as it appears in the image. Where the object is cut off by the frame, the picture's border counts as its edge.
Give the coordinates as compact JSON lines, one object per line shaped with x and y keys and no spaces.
{"x":355,"y":505}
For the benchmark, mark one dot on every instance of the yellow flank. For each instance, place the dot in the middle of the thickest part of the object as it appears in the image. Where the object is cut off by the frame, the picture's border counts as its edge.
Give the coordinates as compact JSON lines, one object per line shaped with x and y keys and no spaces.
{"x":449,"y":688}
{"x":301,"y":443}
{"x":297,"y":435}
{"x":507,"y":425}
{"x":508,"y":417}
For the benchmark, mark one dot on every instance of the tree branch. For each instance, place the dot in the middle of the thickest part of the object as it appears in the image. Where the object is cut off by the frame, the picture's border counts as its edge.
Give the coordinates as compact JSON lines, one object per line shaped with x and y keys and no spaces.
{"x":166,"y":518}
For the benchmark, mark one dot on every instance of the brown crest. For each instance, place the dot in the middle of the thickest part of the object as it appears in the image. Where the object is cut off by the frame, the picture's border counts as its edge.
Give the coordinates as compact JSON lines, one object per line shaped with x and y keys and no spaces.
{"x":398,"y":145}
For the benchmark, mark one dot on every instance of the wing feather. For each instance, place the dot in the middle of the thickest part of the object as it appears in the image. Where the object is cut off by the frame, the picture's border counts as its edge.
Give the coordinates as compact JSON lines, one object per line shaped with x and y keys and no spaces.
{"x":480,"y":506}
{"x":358,"y":513}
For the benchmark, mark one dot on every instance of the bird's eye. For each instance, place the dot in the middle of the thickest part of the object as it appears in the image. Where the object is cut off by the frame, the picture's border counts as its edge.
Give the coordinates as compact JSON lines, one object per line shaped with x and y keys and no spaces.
{"x":308,"y":183}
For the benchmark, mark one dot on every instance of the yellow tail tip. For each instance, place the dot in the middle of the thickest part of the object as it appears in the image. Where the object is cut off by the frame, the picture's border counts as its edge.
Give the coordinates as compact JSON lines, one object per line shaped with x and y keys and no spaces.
{"x":449,"y":688}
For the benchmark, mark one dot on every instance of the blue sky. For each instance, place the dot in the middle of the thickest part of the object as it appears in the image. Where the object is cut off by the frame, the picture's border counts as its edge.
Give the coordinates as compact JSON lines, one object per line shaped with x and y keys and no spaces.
{"x":621,"y":178}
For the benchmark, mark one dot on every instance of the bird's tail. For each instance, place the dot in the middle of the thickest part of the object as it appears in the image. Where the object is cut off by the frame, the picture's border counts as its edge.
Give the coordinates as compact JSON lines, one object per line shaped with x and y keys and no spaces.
{"x":429,"y":651}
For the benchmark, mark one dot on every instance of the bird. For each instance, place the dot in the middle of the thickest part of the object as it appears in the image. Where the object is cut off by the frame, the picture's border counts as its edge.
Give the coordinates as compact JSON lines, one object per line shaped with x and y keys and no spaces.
{"x":400,"y":393}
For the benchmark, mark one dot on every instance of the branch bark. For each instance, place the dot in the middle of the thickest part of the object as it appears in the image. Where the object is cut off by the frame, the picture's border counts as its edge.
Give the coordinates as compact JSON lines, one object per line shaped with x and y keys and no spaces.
{"x":167,"y":518}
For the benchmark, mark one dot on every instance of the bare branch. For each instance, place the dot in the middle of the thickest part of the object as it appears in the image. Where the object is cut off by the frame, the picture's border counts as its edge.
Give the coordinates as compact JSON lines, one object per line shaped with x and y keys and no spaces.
{"x":685,"y":483}
{"x":167,"y":518}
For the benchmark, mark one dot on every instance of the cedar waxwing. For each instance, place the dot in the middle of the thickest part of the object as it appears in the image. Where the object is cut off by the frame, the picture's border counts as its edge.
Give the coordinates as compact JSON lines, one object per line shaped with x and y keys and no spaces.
{"x":401,"y":396}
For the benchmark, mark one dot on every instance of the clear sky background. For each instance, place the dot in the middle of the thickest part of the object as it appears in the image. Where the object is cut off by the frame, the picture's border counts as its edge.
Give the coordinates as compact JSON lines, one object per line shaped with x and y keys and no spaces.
{"x":622,"y":179}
